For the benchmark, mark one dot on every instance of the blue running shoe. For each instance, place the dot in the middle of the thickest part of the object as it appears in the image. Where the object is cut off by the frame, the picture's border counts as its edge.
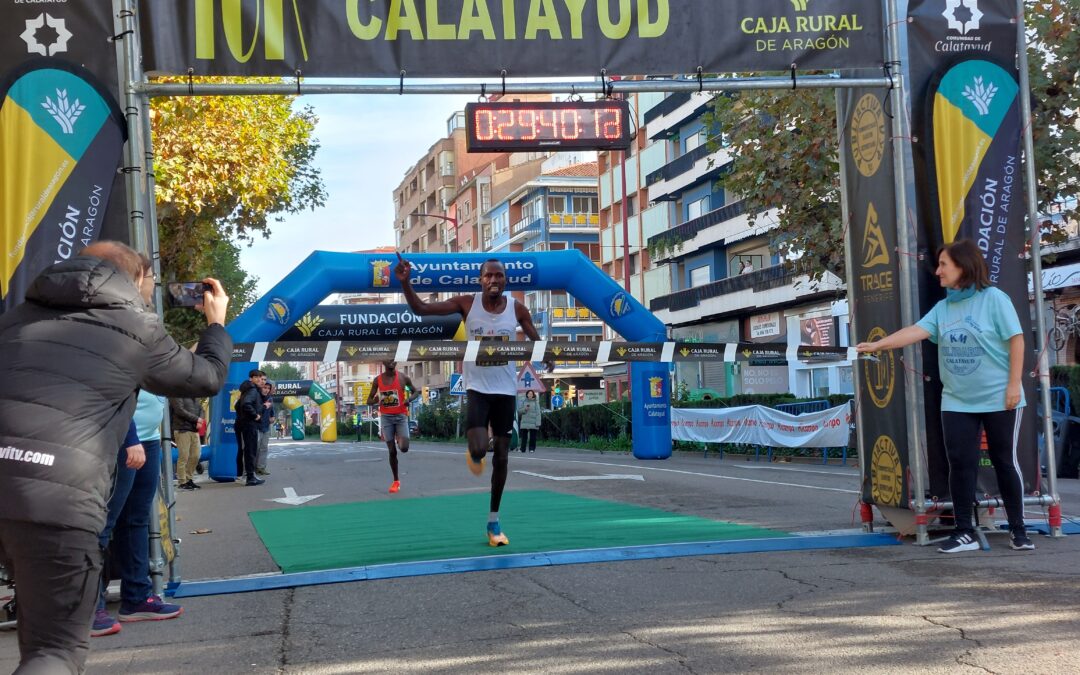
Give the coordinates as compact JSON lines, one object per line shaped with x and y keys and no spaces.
{"x":151,"y":609}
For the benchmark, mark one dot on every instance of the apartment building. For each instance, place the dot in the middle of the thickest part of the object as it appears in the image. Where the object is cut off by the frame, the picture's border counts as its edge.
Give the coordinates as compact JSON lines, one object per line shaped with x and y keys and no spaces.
{"x":726,"y":282}
{"x":627,"y":220}
{"x":550,"y":203}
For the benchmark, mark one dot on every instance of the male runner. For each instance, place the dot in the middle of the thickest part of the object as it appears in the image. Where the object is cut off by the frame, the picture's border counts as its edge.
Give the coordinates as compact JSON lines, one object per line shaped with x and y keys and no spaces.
{"x":390,"y":388}
{"x":491,"y":389}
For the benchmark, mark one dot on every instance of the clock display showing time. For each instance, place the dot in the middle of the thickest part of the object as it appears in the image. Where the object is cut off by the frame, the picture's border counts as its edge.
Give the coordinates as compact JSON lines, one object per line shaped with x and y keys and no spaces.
{"x":570,"y":125}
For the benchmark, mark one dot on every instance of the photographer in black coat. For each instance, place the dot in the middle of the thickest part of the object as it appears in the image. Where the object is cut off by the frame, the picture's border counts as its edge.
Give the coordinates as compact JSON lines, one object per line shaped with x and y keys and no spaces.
{"x":72,"y":358}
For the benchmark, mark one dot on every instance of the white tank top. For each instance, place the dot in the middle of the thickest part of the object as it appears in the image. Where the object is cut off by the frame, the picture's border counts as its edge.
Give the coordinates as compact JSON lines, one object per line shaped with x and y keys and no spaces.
{"x":482,"y":325}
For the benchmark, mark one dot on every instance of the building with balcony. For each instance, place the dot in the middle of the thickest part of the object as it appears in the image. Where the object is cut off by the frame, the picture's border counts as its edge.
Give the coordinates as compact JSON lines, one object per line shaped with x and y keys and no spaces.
{"x":551,"y":204}
{"x":726,"y":282}
{"x":628,"y":219}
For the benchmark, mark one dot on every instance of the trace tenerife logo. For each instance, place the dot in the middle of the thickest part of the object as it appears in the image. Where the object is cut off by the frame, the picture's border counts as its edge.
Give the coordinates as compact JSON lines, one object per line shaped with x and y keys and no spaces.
{"x":886,"y":473}
{"x":876,"y":285}
{"x":968,"y":18}
{"x":868,"y":134}
{"x":278,"y":311}
{"x":29,"y":36}
{"x":308,"y":323}
{"x":619,"y":305}
{"x":880,"y":375}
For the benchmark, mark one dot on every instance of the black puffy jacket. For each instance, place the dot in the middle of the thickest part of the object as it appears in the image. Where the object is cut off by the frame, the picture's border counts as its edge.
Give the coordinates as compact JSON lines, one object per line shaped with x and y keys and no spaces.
{"x":184,"y":414}
{"x":71,"y":359}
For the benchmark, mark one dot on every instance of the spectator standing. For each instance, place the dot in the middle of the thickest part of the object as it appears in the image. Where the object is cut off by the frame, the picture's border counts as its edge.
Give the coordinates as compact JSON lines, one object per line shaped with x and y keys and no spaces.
{"x":266,"y":419}
{"x":529,"y":421}
{"x":126,"y":536}
{"x":185,"y":418}
{"x":74,"y":354}
{"x":248,"y":413}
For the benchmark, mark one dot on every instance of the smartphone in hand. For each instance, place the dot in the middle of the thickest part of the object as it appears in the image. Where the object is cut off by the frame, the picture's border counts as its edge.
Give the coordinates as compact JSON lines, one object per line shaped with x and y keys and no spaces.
{"x":186,"y":293}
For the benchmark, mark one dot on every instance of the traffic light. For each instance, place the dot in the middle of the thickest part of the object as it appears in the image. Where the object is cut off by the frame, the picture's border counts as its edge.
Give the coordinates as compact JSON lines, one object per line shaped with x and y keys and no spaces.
{"x":558,"y":388}
{"x":571,"y":392}
{"x":424,"y":392}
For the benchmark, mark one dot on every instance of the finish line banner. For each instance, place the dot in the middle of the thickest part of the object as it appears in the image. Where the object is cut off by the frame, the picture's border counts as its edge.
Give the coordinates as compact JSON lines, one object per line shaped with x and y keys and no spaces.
{"x":474,"y":351}
{"x":759,"y":425}
{"x":61,"y":138}
{"x":515,"y":38}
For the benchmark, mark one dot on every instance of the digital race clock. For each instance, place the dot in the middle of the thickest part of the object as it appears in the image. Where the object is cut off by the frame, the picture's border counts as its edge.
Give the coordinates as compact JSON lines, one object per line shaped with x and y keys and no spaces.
{"x":571,"y":125}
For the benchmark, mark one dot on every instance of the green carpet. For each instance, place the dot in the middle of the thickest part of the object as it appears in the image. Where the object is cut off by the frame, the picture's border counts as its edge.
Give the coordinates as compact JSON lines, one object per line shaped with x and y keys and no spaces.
{"x":309,"y":538}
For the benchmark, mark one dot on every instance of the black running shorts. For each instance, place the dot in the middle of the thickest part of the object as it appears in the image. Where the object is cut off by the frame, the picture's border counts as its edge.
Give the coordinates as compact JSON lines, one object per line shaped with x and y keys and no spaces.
{"x":497,"y":410}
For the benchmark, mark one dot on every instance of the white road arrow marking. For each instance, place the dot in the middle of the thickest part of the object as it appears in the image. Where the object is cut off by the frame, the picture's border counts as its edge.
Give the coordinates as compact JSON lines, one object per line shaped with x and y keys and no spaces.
{"x":291,"y":498}
{"x":605,"y":476}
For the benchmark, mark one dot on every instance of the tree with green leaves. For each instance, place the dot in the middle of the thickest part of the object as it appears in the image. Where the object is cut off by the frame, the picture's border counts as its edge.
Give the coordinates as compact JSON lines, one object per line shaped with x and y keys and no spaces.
{"x":784,"y":144}
{"x":226,"y":169}
{"x":281,"y":371}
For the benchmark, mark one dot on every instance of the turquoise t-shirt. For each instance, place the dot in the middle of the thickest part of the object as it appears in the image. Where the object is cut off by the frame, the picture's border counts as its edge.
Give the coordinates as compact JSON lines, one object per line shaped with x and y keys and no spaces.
{"x":148,"y":414}
{"x":972,"y":331}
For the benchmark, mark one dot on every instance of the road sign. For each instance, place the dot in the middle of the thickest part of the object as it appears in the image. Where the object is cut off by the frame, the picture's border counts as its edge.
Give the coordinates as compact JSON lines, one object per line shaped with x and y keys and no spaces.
{"x":457,"y":385}
{"x":361,"y":390}
{"x":528,"y":380}
{"x":556,"y":402}
{"x":433,"y":394}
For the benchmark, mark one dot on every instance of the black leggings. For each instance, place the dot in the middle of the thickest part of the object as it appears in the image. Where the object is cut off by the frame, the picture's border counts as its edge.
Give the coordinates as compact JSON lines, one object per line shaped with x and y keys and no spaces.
{"x":961,"y":433}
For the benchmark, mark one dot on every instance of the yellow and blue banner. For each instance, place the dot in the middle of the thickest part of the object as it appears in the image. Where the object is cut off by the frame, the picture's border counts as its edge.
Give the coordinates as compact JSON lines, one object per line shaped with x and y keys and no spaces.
{"x":61,"y":138}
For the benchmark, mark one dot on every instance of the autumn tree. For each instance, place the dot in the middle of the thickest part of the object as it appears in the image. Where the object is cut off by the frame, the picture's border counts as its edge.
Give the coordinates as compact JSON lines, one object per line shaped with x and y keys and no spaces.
{"x":226,"y":169}
{"x":784,"y":144}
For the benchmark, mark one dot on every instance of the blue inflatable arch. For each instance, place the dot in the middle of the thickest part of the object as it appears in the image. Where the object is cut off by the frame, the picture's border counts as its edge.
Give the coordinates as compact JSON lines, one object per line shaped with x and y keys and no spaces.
{"x":323,"y":273}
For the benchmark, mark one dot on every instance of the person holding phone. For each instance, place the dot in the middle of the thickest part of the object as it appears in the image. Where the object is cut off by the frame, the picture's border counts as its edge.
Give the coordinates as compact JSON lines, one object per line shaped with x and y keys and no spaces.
{"x":981,"y":360}
{"x":75,"y":354}
{"x":491,"y":389}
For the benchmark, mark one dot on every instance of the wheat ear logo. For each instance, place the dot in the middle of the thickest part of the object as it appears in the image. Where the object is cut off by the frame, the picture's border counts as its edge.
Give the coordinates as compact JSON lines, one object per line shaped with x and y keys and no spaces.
{"x":307,"y":324}
{"x":65,"y":113}
{"x":800,"y":5}
{"x":981,"y":96}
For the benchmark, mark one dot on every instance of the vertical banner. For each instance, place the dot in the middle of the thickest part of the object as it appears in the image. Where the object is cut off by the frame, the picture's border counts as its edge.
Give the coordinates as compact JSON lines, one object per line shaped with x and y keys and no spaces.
{"x":61,"y":138}
{"x":867,"y":169}
{"x":966,"y":122}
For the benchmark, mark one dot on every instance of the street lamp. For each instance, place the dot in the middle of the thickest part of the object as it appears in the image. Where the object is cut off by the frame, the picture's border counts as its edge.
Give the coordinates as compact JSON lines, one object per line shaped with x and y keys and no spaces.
{"x":452,"y":221}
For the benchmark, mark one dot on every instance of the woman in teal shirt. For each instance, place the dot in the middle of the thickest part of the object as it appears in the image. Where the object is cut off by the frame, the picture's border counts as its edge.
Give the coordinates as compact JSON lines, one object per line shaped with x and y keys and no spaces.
{"x":981,"y":361}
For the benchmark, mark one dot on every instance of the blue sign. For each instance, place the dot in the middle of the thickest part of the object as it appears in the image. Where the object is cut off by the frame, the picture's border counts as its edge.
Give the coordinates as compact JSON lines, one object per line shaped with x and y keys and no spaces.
{"x":457,"y":385}
{"x":556,"y":402}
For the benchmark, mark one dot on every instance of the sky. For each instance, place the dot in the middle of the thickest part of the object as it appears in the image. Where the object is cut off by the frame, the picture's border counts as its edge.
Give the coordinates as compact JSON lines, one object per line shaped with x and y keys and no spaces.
{"x":368,"y":143}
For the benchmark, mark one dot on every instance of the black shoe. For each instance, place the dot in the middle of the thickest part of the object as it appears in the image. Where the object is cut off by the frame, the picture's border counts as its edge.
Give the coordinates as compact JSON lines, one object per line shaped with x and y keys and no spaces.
{"x":192,"y":485}
{"x":185,"y":486}
{"x":255,"y":481}
{"x":1021,"y":542}
{"x":958,"y":543}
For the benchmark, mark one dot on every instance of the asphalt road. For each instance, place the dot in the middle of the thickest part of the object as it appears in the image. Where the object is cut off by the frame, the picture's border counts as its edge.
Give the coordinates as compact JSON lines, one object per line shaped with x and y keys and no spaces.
{"x":893,"y":609}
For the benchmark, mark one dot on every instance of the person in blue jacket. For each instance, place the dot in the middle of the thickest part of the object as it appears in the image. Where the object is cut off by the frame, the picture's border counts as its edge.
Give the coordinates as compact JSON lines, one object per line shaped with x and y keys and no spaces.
{"x":981,"y":361}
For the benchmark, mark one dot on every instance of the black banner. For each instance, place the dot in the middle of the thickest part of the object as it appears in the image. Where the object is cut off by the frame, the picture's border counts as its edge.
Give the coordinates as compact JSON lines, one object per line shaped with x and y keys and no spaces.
{"x":867,"y":160}
{"x":372,"y":322}
{"x":77,"y":32}
{"x":953,"y":175}
{"x":518,"y":38}
{"x":494,"y":352}
{"x":62,"y":137}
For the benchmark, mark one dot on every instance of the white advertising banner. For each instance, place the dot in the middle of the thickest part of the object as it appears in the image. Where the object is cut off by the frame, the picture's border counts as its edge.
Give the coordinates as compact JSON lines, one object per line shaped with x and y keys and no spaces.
{"x":759,"y":425}
{"x":764,"y":325}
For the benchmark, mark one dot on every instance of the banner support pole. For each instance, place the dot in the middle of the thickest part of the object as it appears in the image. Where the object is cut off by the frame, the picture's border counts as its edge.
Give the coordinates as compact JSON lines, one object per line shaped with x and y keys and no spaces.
{"x":908,"y":268}
{"x":1041,"y":343}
